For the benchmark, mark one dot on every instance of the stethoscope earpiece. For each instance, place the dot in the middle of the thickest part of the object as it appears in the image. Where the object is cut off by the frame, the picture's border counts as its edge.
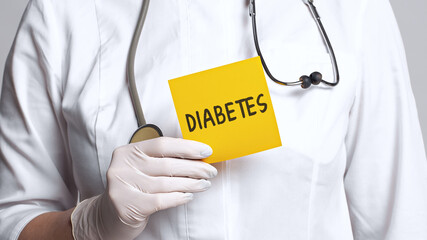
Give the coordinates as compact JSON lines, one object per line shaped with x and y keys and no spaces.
{"x":306,"y":81}
{"x":316,"y":78}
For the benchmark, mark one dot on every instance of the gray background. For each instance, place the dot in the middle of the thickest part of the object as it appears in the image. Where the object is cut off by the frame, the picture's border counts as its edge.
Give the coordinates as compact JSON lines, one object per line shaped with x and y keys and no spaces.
{"x":411,"y":16}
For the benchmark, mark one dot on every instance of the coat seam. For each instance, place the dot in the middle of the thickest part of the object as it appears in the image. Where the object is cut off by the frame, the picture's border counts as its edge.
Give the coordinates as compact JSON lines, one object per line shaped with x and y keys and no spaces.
{"x":99,"y":91}
{"x":188,"y":67}
{"x":314,"y":175}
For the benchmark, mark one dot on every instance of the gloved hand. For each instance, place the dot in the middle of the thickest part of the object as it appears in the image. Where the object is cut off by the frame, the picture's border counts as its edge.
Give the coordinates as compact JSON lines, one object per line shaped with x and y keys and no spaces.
{"x":143,"y":178}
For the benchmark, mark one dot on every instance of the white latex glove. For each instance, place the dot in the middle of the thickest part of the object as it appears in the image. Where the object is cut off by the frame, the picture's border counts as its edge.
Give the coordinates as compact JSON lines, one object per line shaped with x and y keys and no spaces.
{"x":143,"y":178}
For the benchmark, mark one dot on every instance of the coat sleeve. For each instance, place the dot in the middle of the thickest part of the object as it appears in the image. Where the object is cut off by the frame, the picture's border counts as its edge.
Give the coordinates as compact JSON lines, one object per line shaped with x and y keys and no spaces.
{"x":35,"y":167}
{"x":386,"y":175}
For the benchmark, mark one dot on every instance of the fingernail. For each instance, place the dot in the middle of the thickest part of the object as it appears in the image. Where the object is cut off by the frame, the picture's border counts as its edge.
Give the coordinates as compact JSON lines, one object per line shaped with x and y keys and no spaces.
{"x":206,"y":152}
{"x":213,"y":173}
{"x":206,"y":184}
{"x":189,"y":196}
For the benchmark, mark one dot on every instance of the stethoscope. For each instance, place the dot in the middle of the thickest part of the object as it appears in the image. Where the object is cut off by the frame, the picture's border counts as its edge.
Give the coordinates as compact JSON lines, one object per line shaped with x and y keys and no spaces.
{"x":148,"y":131}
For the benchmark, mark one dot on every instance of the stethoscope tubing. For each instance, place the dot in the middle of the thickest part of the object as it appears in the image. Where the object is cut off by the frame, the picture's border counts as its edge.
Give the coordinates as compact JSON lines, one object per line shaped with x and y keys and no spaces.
{"x":328,"y":44}
{"x":325,"y":38}
{"x":131,"y":65}
{"x":130,"y":68}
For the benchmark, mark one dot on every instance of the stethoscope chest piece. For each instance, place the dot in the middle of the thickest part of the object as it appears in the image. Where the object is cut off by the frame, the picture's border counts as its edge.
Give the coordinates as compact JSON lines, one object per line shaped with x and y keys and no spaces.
{"x":146,"y":132}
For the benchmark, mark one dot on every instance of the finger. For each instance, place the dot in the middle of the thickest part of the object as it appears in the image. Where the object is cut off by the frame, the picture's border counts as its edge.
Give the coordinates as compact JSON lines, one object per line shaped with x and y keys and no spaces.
{"x":138,"y":181}
{"x":153,"y":185}
{"x":178,"y":184}
{"x":172,"y":167}
{"x":163,"y":201}
{"x":136,"y":205}
{"x":174,"y":147}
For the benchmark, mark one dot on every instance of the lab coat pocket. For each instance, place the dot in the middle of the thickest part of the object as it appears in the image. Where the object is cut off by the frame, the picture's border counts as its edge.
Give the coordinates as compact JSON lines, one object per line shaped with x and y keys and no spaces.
{"x":295,"y":108}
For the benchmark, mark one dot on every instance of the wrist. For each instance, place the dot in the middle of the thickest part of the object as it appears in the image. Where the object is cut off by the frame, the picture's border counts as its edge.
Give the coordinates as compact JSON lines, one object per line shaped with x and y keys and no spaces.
{"x":83,"y":220}
{"x":96,"y":219}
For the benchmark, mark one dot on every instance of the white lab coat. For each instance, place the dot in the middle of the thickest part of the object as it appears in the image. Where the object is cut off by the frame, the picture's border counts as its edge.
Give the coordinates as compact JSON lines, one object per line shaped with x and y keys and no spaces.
{"x":352,"y":165}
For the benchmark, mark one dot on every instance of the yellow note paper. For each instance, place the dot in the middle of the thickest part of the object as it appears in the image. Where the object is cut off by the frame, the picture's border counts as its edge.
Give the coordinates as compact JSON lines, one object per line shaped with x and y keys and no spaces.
{"x":228,"y":108}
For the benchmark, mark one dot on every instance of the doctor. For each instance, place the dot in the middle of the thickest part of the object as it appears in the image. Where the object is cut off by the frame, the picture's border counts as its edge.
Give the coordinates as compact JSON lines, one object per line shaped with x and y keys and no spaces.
{"x":352,"y":165}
